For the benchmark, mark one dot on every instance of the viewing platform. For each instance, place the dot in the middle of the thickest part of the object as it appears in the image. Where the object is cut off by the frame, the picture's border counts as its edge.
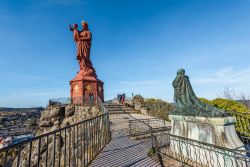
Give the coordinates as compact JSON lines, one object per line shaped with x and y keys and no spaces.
{"x":119,"y":137}
{"x":124,"y":151}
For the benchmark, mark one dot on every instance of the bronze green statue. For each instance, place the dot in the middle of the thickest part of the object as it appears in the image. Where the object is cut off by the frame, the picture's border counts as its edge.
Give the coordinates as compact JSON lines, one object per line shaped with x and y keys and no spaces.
{"x":186,"y":101}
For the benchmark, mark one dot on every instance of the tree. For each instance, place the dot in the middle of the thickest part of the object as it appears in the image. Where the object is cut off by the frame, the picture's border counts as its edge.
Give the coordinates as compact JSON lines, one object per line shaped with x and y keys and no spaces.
{"x":227,"y":93}
{"x":244,"y":99}
{"x":226,"y":104}
{"x":158,"y":108}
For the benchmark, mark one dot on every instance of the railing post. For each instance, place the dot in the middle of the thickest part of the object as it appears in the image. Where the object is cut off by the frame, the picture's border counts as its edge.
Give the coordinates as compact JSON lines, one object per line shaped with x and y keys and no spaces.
{"x":77,"y":145}
{"x":18,"y":156}
{"x":47,"y":149}
{"x":88,"y":141}
{"x":65,"y":147}
{"x":54,"y":151}
{"x":60,"y":148}
{"x":5,"y":158}
{"x":81,"y":142}
{"x":69,"y":146}
{"x":84,"y":144}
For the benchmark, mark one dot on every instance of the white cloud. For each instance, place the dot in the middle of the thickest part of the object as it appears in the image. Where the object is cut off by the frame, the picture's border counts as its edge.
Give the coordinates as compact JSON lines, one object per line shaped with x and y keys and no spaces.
{"x":147,"y":88}
{"x":215,"y":83}
{"x":227,"y":75}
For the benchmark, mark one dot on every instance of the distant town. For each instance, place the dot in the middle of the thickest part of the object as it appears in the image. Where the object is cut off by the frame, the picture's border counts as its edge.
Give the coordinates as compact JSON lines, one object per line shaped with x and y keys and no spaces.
{"x":17,"y":124}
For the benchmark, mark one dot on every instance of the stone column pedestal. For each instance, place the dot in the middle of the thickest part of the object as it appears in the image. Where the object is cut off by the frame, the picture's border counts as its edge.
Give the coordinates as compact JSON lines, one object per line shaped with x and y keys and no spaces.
{"x":205,"y":132}
{"x":86,"y":90}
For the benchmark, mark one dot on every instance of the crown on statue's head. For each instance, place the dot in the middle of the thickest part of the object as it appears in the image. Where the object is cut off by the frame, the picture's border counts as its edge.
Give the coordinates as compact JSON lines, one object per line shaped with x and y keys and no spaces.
{"x":84,"y":22}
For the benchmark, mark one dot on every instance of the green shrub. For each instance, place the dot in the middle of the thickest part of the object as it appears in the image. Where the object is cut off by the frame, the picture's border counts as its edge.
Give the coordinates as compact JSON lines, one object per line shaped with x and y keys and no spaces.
{"x":151,"y":152}
{"x":236,"y":109}
{"x":158,"y":108}
{"x":226,"y":104}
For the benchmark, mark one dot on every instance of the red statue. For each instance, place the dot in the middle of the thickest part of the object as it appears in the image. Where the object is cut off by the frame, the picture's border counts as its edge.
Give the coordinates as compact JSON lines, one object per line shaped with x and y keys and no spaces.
{"x":85,"y":87}
{"x":83,"y":42}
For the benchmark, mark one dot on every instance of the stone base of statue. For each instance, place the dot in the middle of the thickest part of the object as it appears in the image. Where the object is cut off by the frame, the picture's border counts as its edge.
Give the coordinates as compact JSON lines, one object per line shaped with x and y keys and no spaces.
{"x":86,"y":89}
{"x":209,"y":138}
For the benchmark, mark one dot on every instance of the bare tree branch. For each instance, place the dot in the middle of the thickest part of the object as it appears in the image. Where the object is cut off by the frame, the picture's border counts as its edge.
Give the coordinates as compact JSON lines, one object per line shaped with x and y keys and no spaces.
{"x":227,"y":93}
{"x":243,"y":98}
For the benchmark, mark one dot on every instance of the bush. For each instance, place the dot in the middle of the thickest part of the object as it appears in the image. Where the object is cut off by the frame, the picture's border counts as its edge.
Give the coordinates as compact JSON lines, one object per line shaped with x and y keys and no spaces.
{"x":158,"y":108}
{"x":137,"y":101}
{"x":226,"y":104}
{"x":236,"y":109}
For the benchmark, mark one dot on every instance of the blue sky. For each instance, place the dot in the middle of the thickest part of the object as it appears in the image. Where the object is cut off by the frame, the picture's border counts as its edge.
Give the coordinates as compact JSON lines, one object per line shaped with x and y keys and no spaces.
{"x":137,"y":46}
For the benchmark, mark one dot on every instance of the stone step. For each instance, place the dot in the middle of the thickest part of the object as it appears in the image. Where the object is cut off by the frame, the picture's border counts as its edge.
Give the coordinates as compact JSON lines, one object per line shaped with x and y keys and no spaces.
{"x":115,"y":106}
{"x":121,"y":112}
{"x":120,"y":106}
{"x":118,"y":109}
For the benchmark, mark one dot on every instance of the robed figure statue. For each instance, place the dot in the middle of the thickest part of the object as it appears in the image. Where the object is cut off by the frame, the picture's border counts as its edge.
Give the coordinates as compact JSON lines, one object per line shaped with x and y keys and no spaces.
{"x":186,"y":101}
{"x":83,"y":43}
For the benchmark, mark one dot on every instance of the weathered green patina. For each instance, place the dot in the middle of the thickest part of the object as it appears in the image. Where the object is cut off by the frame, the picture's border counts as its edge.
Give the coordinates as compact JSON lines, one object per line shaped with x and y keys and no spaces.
{"x":186,"y":101}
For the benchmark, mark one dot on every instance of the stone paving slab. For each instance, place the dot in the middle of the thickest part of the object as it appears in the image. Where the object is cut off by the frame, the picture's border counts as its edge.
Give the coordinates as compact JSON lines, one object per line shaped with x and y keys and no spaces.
{"x":122,"y":151}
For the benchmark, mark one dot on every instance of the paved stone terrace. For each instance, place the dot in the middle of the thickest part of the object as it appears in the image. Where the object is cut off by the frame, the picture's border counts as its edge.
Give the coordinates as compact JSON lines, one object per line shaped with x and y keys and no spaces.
{"x":122,"y":151}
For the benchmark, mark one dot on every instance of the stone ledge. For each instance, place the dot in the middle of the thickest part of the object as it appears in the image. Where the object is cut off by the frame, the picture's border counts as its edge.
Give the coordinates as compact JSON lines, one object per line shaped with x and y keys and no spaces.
{"x":205,"y":120}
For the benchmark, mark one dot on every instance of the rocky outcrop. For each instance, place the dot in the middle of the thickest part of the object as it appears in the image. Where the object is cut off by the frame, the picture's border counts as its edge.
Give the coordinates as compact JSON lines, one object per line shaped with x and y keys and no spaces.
{"x":55,"y":117}
{"x":137,"y":101}
{"x":69,"y":110}
{"x":152,"y":107}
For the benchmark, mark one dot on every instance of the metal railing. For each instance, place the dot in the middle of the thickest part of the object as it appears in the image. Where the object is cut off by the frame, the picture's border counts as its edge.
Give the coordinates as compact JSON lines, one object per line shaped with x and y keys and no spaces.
{"x":196,"y":153}
{"x":74,"y":145}
{"x":83,"y":100}
{"x":188,"y":151}
{"x":138,"y":127}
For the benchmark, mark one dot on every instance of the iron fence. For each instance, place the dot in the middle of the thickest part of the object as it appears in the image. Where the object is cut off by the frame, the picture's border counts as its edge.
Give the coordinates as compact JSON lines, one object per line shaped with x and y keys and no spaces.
{"x":196,"y":153}
{"x":82,"y":100}
{"x":188,"y":151}
{"x":74,"y":145}
{"x":144,"y":127}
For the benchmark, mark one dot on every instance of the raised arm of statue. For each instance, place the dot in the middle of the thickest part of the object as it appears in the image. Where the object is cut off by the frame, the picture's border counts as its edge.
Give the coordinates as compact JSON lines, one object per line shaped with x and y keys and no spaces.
{"x":74,"y":28}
